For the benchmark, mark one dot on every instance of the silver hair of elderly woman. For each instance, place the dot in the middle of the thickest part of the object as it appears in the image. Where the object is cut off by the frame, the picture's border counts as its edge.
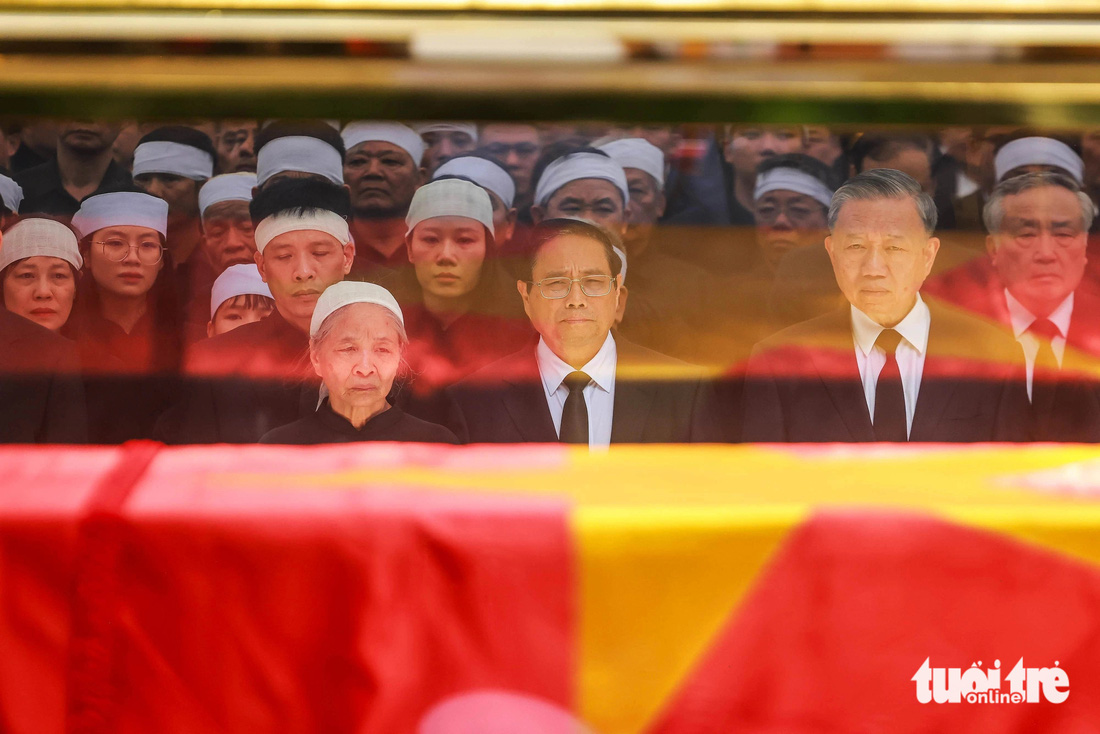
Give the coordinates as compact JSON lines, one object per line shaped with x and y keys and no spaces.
{"x":994,"y":212}
{"x":329,"y":324}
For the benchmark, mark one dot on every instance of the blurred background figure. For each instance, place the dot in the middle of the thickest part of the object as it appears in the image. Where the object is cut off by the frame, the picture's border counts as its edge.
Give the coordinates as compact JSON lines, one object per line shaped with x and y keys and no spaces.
{"x":298,"y":149}
{"x":83,"y":166}
{"x":37,"y":144}
{"x":11,"y":197}
{"x":517,"y":148}
{"x":382,"y":171}
{"x":445,"y":140}
{"x":235,"y":141}
{"x":745,"y":148}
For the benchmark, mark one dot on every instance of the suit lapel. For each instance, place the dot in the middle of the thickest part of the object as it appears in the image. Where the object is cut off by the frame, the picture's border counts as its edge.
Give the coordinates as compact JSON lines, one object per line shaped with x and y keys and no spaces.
{"x":935,"y":392}
{"x":839,"y":372}
{"x":633,"y":398}
{"x":525,"y":400}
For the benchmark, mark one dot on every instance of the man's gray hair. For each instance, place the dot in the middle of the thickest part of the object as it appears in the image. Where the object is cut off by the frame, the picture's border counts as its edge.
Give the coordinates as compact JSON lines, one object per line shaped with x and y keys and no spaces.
{"x":884,"y":183}
{"x":994,"y":212}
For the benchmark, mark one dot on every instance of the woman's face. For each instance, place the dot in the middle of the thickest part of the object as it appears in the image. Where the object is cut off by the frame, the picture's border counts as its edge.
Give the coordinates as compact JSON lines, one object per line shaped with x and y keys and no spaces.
{"x":359,"y":357}
{"x":41,"y":289}
{"x":447,"y":253}
{"x":124,"y":261}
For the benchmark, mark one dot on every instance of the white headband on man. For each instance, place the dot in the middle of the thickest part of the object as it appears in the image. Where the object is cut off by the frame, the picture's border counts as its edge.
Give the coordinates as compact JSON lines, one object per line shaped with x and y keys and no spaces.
{"x":448,"y":127}
{"x":317,"y":220}
{"x":347,"y":292}
{"x":121,"y":209}
{"x":40,"y":238}
{"x":237,"y":280}
{"x":395,"y":133}
{"x":300,"y":153}
{"x":576,"y":167}
{"x":791,"y":179}
{"x":226,"y":187}
{"x":640,"y":154}
{"x":11,"y":193}
{"x":450,"y":197}
{"x":485,"y":173}
{"x":178,"y":159}
{"x":1037,"y":151}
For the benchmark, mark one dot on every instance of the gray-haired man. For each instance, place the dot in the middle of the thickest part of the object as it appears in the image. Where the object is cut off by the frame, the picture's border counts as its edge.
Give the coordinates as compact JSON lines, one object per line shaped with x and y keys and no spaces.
{"x":887,"y":366}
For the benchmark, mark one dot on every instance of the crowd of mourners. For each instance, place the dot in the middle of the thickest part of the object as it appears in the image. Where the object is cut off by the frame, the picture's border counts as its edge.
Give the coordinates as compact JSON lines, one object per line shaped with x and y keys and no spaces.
{"x":297,"y":282}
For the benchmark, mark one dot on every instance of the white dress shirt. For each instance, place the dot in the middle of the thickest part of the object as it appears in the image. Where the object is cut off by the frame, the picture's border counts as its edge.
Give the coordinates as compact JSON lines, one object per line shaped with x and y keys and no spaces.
{"x":1022,"y":319}
{"x":910,"y":355}
{"x":599,"y":395}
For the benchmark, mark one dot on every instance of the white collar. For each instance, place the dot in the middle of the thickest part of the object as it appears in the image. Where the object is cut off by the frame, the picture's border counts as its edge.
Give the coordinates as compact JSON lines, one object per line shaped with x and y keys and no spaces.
{"x":913,"y":328}
{"x":601,"y":368}
{"x":1022,"y":319}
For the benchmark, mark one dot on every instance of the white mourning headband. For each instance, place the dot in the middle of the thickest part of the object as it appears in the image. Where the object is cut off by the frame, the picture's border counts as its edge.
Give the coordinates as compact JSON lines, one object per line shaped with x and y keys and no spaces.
{"x":791,"y":179}
{"x":320,"y":220}
{"x":347,"y":292}
{"x":578,"y":166}
{"x":121,"y":209}
{"x":11,"y":193}
{"x":403,"y":136}
{"x":640,"y":154}
{"x":162,"y":156}
{"x":300,"y":153}
{"x":227,"y":187}
{"x":484,"y":173}
{"x":1038,"y":151}
{"x":40,"y":238}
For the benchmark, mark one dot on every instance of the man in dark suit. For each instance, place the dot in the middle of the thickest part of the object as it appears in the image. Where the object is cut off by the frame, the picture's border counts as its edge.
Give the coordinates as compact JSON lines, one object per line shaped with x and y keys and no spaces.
{"x":886,"y":367}
{"x":41,"y":395}
{"x":1033,"y":283}
{"x":580,"y":383}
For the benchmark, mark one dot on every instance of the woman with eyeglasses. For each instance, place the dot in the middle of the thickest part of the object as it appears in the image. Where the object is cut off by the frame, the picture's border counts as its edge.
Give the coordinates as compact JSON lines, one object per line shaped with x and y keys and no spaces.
{"x":125,"y":322}
{"x":461,"y":313}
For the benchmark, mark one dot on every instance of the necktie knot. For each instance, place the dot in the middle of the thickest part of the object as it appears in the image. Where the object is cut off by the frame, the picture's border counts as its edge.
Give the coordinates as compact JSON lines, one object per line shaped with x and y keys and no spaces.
{"x":576,"y":381}
{"x":1044,"y":329}
{"x":888,"y":341}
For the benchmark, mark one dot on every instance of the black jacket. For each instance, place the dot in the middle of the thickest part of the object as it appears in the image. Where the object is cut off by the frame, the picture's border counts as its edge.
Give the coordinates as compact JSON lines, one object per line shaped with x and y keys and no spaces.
{"x":41,"y":394}
{"x":657,"y":400}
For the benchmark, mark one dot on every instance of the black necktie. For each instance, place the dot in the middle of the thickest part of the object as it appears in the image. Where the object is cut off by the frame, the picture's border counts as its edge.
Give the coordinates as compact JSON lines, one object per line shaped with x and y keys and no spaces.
{"x":574,"y":416}
{"x":1044,"y":378}
{"x":889,"y":396}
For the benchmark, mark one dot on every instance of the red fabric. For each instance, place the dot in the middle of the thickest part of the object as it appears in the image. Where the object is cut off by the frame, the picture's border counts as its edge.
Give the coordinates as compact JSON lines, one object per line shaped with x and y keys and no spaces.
{"x":852,"y":605}
{"x":42,"y":496}
{"x":350,"y":610}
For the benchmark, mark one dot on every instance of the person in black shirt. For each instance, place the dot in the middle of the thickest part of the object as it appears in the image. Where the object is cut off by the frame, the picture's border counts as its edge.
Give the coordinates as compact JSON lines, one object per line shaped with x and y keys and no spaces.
{"x":84,"y":167}
{"x":125,"y":318}
{"x":243,"y":383}
{"x":356,"y":346}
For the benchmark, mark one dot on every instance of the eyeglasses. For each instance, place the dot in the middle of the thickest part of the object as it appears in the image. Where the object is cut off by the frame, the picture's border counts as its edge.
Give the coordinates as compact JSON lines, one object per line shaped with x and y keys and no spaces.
{"x":117,"y":250}
{"x":592,"y":286}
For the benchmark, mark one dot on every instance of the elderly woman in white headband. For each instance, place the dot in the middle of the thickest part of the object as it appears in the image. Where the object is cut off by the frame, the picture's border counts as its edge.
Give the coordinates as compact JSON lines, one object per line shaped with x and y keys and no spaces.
{"x":357,"y":342}
{"x":39,"y":266}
